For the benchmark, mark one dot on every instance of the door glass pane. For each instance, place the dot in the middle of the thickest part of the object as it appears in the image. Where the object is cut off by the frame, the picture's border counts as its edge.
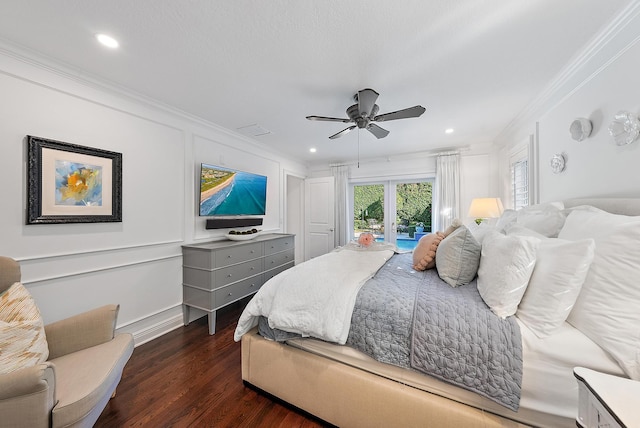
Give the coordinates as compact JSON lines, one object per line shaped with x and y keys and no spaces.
{"x":368,"y":210}
{"x":408,"y":213}
{"x":413,"y":213}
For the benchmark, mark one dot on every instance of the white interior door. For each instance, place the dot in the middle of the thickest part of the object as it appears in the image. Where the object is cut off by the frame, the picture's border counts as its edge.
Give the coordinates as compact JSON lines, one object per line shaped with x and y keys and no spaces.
{"x":319,"y":216}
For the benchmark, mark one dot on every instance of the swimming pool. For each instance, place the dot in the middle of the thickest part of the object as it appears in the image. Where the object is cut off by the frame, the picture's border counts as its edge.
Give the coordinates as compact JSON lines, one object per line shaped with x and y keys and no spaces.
{"x":402,"y":244}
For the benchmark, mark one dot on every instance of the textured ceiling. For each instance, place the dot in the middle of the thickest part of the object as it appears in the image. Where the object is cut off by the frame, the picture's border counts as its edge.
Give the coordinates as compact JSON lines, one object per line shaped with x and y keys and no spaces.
{"x":474,"y":64}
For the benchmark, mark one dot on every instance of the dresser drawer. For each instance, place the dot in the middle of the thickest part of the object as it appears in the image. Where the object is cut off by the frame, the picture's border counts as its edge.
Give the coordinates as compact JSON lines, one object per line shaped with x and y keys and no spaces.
{"x":237,"y":272}
{"x":199,"y":278}
{"x":278,"y":259}
{"x":202,"y":299}
{"x":277,"y":245}
{"x":238,"y":253}
{"x":268,"y":274}
{"x":233,"y":292}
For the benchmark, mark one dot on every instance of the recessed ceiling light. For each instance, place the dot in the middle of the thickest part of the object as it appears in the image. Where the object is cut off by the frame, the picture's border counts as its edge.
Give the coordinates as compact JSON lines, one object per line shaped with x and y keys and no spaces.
{"x":448,"y":131}
{"x":108,"y":41}
{"x":312,"y":150}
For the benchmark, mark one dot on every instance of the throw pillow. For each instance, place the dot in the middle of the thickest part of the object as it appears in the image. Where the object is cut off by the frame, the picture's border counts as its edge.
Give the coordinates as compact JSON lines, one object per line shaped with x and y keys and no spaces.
{"x":22,"y":339}
{"x":557,"y":278}
{"x":506,"y":265}
{"x":607,"y":310}
{"x":424,"y":255}
{"x":458,"y":257}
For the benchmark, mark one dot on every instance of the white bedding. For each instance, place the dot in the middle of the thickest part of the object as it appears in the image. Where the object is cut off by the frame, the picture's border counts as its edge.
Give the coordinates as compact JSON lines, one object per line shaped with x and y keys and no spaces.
{"x":548,"y":384}
{"x":314,"y":298}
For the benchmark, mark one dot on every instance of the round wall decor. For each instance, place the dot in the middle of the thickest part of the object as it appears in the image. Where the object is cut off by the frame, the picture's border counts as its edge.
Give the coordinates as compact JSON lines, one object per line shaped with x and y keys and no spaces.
{"x":580,"y":129}
{"x":558,"y":163}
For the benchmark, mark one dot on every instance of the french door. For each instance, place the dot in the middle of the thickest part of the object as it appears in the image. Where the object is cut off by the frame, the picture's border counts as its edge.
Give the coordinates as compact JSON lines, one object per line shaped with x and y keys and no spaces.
{"x":398,"y":212}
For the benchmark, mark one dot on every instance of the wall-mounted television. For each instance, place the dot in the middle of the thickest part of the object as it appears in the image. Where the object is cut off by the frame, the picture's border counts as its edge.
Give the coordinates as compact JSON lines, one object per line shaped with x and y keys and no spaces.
{"x":229,"y":192}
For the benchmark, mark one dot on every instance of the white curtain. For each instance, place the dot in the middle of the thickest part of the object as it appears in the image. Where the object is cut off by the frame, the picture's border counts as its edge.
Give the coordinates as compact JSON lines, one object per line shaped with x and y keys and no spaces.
{"x":447,"y":191}
{"x":341,"y":181}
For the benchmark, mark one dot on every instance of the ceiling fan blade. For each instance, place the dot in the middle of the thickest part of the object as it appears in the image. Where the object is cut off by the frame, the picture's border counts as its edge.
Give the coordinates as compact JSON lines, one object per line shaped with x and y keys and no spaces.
{"x":341,"y":133}
{"x":377,"y":131}
{"x":415,"y":111}
{"x":366,"y":100}
{"x":329,"y":119}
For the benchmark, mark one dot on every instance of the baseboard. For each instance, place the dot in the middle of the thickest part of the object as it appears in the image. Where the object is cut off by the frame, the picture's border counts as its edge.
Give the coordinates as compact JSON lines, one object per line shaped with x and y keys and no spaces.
{"x":146,"y":329}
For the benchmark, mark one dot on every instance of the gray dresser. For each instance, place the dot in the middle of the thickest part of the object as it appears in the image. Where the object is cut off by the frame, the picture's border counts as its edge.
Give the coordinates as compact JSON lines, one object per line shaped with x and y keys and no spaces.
{"x":215,"y":274}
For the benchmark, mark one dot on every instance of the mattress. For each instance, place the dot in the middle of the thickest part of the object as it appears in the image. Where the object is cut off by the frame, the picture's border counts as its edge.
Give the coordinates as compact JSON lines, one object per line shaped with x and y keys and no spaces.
{"x":549,"y":390}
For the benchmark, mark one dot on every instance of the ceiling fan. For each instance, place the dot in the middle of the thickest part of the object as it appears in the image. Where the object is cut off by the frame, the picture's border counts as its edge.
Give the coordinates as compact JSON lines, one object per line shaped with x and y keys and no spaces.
{"x":365,"y":112}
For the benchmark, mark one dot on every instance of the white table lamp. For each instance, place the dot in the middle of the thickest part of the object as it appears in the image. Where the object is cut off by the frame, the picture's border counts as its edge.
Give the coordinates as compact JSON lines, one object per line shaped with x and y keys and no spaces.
{"x":483,"y":208}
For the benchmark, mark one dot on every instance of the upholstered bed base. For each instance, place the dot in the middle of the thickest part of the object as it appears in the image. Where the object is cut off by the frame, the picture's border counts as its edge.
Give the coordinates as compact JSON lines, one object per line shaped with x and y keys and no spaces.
{"x":347,"y":396}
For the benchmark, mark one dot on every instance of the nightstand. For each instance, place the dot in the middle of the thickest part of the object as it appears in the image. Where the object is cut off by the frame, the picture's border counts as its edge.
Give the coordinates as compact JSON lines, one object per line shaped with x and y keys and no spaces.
{"x":606,"y":400}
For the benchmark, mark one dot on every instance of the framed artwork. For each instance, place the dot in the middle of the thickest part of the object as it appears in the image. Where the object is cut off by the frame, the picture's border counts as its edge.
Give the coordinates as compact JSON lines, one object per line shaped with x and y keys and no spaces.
{"x":67,"y":183}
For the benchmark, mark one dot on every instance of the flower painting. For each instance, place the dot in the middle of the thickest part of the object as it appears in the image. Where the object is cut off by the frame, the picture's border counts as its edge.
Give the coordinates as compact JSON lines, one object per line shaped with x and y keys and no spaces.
{"x":68,"y":183}
{"x":78,"y":184}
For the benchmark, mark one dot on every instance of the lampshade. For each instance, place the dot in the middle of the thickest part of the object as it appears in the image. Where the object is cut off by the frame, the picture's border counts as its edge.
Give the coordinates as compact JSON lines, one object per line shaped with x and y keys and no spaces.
{"x":485,"y":208}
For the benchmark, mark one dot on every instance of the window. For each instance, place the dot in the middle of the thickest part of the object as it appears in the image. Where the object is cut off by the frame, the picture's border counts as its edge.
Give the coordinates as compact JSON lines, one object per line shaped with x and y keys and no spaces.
{"x":520,"y":183}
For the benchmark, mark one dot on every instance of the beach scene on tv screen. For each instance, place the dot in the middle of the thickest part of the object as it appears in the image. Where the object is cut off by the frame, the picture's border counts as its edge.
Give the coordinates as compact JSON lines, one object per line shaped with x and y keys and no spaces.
{"x":229,"y":192}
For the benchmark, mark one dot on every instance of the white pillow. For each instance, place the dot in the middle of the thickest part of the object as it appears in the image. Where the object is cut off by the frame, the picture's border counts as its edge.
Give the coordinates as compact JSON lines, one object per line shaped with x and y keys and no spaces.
{"x":608,"y":307}
{"x":480,"y":231}
{"x":546,"y":219}
{"x":560,"y":271}
{"x":506,"y":265}
{"x":22,"y":339}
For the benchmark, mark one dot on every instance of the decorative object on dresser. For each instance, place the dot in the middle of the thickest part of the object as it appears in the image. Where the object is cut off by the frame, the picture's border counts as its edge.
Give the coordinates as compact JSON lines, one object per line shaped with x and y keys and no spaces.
{"x":606,"y":400}
{"x":243,"y":235}
{"x":215,"y":274}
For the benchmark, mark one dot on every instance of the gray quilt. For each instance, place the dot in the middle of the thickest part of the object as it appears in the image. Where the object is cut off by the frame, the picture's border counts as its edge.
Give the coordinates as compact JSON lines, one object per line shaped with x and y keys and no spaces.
{"x":415,"y":320}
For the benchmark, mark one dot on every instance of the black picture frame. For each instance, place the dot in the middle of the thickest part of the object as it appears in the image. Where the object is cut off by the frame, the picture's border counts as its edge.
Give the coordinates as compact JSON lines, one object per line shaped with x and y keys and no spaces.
{"x":45,"y":156}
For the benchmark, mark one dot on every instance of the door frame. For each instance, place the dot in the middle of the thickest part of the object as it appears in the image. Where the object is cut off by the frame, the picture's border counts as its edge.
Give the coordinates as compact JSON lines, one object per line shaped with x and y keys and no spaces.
{"x":294,"y":208}
{"x":389,"y":184}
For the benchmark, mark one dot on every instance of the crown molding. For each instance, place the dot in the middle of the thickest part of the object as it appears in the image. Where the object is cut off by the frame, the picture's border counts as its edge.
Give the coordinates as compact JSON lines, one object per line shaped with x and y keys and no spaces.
{"x":613,"y":41}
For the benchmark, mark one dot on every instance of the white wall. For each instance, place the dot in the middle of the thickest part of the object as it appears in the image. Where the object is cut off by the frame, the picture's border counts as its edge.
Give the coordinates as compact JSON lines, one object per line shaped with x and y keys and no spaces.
{"x":601,"y":81}
{"x":70,"y":268}
{"x":595,"y":166}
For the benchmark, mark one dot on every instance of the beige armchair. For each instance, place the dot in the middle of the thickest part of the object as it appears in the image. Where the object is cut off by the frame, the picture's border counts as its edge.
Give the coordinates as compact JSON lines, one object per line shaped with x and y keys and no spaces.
{"x":85,"y":364}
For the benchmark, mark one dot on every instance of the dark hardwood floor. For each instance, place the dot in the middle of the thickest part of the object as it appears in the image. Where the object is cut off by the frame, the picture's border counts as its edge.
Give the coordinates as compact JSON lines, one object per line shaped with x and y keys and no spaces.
{"x":187,"y":378}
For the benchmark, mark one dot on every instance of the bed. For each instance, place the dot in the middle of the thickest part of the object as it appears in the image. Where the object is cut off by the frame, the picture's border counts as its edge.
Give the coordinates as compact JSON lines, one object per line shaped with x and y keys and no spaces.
{"x":584,"y":245}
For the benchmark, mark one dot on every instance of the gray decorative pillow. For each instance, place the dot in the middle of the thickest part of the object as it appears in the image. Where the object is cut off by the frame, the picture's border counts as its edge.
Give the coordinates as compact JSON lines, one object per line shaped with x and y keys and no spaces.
{"x":458,"y":257}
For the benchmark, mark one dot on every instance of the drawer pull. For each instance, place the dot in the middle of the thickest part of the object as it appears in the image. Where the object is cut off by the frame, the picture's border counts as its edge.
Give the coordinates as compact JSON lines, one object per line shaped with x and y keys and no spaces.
{"x":253,"y":268}
{"x":252,"y":285}
{"x":272,"y":261}
{"x":229,"y":294}
{"x":252,"y":251}
{"x":229,"y":256}
{"x":229,"y":276}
